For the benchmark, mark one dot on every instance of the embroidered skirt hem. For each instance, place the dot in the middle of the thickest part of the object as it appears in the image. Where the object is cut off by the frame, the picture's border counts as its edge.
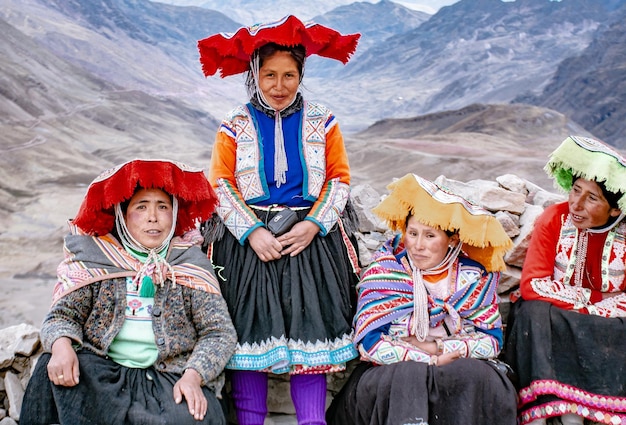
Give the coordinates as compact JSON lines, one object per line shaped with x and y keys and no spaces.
{"x":567,"y":362}
{"x":293,"y":314}
{"x":282,"y":356}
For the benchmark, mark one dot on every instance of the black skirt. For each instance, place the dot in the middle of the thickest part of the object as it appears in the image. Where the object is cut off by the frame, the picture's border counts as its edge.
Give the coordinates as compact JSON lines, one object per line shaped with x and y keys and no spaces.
{"x":293,"y":314}
{"x":466,"y":391}
{"x":110,"y":394}
{"x":567,"y":362}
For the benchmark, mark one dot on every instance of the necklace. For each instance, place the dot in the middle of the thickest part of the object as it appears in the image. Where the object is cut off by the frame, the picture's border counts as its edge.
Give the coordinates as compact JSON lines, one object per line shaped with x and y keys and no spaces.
{"x":420,"y":322}
{"x":581,"y":255}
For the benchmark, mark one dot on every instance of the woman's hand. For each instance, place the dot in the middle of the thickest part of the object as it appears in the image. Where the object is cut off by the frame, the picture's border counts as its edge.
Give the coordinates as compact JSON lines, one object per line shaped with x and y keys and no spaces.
{"x":189,"y":386}
{"x":266,"y":246}
{"x":447,"y":358}
{"x":63,"y":364}
{"x":429,"y":347}
{"x":299,"y":237}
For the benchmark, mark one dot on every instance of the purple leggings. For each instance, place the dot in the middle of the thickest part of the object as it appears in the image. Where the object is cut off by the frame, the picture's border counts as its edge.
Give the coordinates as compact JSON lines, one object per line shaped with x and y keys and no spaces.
{"x":308,"y":393}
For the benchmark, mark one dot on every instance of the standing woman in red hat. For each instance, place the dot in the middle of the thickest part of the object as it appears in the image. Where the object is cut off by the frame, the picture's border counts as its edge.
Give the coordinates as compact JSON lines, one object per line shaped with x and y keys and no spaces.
{"x":289,"y":284}
{"x":138,"y":332}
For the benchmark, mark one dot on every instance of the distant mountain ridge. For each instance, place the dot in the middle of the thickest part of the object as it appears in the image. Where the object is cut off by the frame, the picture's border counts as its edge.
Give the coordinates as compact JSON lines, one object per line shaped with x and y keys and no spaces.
{"x":86,"y":84}
{"x":408,"y":64}
{"x":591,"y":87}
{"x":248,"y":12}
{"x":477,"y":51}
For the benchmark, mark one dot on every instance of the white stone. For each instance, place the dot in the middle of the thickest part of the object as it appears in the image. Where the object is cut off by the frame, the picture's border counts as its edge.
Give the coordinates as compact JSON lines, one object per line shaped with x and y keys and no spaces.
{"x":516,"y":256}
{"x":513,"y":183}
{"x":15,"y":394}
{"x":364,"y":196}
{"x":498,"y":199}
{"x":22,"y":339}
{"x":509,"y":279}
{"x":509,"y":224}
{"x":545,"y":199}
{"x":541,"y":197}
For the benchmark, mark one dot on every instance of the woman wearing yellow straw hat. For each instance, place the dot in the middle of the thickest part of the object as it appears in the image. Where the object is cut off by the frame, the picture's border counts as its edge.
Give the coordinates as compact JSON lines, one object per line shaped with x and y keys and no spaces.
{"x":287,"y":262}
{"x":566,"y":336}
{"x":428,"y":327}
{"x":138,"y":332}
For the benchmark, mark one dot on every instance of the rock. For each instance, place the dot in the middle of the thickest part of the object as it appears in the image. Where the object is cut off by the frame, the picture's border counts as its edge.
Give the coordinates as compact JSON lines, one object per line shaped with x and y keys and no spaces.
{"x":21,"y":339}
{"x":509,"y":279}
{"x":509,"y":222}
{"x":279,"y":395}
{"x":513,"y":183}
{"x":15,"y":394}
{"x":364,"y":198}
{"x":498,"y":199}
{"x":487,"y":194}
{"x":541,"y":197}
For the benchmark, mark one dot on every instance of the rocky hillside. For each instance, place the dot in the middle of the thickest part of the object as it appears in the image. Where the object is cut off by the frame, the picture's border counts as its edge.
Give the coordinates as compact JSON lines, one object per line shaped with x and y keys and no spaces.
{"x":591,"y":87}
{"x":92,"y":83}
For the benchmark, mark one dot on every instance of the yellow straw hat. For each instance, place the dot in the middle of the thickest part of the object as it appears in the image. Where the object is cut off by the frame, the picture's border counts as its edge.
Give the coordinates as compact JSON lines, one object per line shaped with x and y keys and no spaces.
{"x":484,"y":239}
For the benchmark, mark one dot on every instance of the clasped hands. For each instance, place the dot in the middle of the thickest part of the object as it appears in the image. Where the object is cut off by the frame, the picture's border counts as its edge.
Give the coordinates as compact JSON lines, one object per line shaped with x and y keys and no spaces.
{"x":431,"y":348}
{"x":268,"y":247}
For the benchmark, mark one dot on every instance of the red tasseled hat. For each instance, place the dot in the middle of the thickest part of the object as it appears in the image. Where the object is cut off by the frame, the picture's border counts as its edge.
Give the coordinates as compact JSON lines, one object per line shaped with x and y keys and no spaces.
{"x":230,"y":53}
{"x":196,"y":198}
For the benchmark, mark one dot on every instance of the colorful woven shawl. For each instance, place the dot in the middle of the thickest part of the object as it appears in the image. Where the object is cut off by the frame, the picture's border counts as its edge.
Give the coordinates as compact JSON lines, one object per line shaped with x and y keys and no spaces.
{"x":90,"y":259}
{"x":386,"y":293}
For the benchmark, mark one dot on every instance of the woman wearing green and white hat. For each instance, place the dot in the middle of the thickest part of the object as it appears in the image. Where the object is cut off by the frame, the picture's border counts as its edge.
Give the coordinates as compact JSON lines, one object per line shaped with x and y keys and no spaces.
{"x":566,"y":333}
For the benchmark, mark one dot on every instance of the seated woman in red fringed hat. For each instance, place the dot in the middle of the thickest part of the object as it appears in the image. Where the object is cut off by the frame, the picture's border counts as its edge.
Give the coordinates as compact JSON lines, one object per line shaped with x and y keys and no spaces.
{"x":138,"y":332}
{"x":428,"y":327}
{"x":289,"y":283}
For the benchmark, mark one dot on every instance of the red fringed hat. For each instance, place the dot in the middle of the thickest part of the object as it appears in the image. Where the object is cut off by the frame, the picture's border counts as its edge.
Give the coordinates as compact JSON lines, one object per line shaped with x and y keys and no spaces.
{"x":230,"y":53}
{"x":196,"y":198}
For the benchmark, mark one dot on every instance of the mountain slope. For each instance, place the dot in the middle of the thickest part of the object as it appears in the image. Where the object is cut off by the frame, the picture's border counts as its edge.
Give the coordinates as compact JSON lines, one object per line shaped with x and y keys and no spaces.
{"x":591,"y":87}
{"x":61,"y":125}
{"x":249,"y":12}
{"x":88,"y":84}
{"x":475,"y":51}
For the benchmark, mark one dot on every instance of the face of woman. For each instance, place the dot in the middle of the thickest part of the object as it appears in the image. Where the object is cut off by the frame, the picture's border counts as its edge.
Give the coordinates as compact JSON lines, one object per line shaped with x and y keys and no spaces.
{"x":427,"y":246}
{"x":279,"y":79}
{"x":149,"y":217}
{"x":588,"y":206}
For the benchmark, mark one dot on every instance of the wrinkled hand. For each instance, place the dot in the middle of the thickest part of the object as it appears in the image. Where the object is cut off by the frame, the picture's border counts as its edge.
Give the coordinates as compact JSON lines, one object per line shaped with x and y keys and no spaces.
{"x":63,"y":364}
{"x":429,"y":347}
{"x":298,"y":237}
{"x":266,"y":246}
{"x":447,"y":358}
{"x":189,"y":387}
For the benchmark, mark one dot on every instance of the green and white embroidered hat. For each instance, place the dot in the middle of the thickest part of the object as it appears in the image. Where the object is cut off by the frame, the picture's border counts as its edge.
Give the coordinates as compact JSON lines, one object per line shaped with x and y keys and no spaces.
{"x":592,"y":160}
